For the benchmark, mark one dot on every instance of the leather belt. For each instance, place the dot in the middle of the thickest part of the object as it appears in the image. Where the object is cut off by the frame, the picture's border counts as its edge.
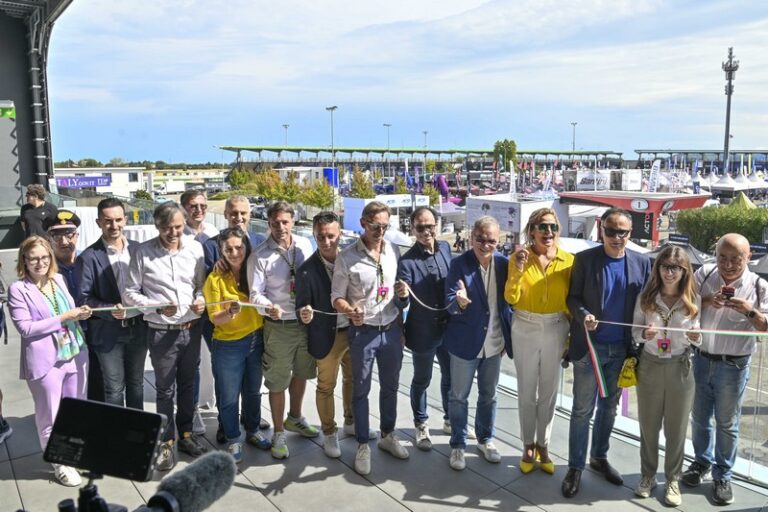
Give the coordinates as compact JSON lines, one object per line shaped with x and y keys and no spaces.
{"x":130,"y":322}
{"x":380,"y":328}
{"x":171,"y":327}
{"x":720,"y":357}
{"x":282,"y":322}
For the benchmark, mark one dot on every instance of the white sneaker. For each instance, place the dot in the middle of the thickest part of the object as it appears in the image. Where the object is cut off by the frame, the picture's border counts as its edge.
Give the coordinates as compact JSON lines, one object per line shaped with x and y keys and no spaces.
{"x":350,"y":431}
{"x":423,"y":442}
{"x":67,"y":475}
{"x":236,"y":451}
{"x":457,"y":461}
{"x":331,"y":446}
{"x":363,"y":459}
{"x":448,"y":430}
{"x":390,"y":443}
{"x":672,"y":496}
{"x":198,"y":425}
{"x":279,"y":446}
{"x":490,"y":452}
{"x":645,"y":486}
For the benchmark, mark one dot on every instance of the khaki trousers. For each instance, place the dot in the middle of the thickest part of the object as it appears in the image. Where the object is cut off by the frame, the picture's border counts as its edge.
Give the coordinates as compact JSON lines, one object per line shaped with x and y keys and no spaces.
{"x":327,"y":375}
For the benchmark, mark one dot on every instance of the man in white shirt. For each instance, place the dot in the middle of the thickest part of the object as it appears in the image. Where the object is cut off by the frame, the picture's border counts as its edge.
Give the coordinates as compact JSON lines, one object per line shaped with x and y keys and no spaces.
{"x":272,"y":270}
{"x":168,"y":271}
{"x":195,"y":203}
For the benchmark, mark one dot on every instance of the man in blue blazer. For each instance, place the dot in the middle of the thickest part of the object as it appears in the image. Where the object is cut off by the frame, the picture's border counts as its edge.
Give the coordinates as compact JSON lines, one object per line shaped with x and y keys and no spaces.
{"x":118,"y":338}
{"x":478,"y":333}
{"x":605,"y":282}
{"x":424,"y":268}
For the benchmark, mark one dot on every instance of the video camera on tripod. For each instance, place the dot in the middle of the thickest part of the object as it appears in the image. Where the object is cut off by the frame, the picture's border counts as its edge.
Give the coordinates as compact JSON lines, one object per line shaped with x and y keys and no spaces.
{"x":116,"y":441}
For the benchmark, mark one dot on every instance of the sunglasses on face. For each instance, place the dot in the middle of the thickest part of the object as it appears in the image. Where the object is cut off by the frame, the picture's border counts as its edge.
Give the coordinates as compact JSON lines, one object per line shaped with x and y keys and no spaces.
{"x":378,"y":227}
{"x":612,"y":232}
{"x":40,"y":259}
{"x":545,"y":226}
{"x":670,"y":269}
{"x":201,"y":207}
{"x":58,"y":237}
{"x":420,"y":228}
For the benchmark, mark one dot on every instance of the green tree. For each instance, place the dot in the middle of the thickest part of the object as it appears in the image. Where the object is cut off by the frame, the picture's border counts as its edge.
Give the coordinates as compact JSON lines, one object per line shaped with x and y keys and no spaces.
{"x":289,"y":190}
{"x":319,"y":194}
{"x":143,"y":195}
{"x":89,"y":162}
{"x":430,"y":166}
{"x":432,"y":193}
{"x":704,"y":226}
{"x":267,"y":184}
{"x":361,"y":187}
{"x":400,"y":186}
{"x":116,"y":162}
{"x":505,"y":151}
{"x":238,"y":178}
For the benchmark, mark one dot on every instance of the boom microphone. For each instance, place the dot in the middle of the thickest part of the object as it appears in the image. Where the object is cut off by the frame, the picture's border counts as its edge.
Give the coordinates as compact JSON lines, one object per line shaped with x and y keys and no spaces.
{"x":196,"y":487}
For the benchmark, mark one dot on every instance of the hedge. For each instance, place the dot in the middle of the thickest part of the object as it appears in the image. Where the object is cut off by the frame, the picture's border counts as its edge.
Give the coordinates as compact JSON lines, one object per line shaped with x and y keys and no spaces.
{"x":704,"y":226}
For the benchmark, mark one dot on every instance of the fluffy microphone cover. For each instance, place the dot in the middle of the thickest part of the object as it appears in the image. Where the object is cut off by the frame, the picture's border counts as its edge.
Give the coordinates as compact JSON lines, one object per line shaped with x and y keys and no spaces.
{"x":200,"y":484}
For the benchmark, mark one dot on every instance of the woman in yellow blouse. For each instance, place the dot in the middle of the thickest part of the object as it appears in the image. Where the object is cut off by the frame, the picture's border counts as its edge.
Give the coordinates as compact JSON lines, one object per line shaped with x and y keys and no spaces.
{"x":537,"y":286}
{"x":237,"y":345}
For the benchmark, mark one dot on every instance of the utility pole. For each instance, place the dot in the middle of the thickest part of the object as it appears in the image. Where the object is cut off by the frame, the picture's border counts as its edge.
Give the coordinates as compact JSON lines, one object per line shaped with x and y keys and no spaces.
{"x":730,"y":67}
{"x":286,"y":134}
{"x":573,"y":138}
{"x":389,"y":168}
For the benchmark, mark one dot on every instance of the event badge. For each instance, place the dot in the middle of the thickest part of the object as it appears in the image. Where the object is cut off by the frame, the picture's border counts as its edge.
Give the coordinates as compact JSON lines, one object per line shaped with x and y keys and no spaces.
{"x":664,"y":350}
{"x":292,"y":287}
{"x":63,"y":338}
{"x":382,"y":293}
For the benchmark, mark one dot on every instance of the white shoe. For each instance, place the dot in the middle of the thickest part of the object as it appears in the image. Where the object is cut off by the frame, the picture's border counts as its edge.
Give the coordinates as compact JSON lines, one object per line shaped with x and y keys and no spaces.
{"x":672,"y":495}
{"x":390,"y":443}
{"x":279,"y":446}
{"x":490,"y":452}
{"x":331,"y":446}
{"x":236,"y":451}
{"x":363,"y":459}
{"x":448,"y":430}
{"x":423,"y":442}
{"x":67,"y":475}
{"x":350,"y":431}
{"x":198,"y":425}
{"x":645,"y":486}
{"x":457,"y":461}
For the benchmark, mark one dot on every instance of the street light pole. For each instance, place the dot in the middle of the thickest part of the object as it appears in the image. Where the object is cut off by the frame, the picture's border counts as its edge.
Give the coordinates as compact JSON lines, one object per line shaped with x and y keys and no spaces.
{"x":334,"y":173}
{"x":389,"y":168}
{"x":730,"y":67}
{"x":424,"y":171}
{"x":425,"y":132}
{"x":573,"y":138}
{"x":286,"y":134}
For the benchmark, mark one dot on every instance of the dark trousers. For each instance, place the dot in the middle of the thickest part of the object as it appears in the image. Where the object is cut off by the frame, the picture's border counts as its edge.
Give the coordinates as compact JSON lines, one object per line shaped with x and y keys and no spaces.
{"x":122,"y":368}
{"x":174,"y":356}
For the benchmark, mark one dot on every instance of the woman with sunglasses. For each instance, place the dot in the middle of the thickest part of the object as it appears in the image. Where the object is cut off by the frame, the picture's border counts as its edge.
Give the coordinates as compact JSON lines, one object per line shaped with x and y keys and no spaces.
{"x":54,"y":360}
{"x":665,"y":385}
{"x":537,"y":286}
{"x":237,"y":346}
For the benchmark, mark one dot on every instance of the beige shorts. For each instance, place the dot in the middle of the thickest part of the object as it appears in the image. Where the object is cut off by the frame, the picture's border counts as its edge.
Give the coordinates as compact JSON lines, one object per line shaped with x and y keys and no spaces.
{"x":286,"y":355}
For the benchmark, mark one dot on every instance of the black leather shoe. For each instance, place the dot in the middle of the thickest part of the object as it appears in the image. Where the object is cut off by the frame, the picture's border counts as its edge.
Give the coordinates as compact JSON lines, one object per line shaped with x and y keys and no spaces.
{"x":603,"y":467}
{"x":571,"y":483}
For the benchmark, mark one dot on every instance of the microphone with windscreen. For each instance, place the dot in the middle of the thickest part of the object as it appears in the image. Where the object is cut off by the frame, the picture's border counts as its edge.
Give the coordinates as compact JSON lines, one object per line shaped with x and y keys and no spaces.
{"x":196,"y":487}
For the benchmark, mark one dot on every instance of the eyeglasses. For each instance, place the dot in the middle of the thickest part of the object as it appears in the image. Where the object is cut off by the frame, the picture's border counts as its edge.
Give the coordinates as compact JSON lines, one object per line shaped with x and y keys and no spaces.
{"x":612,"y":232}
{"x":39,"y":259}
{"x":544,"y":227}
{"x":486,"y":241}
{"x":58,"y":237}
{"x":201,"y":207}
{"x":670,"y":269}
{"x":378,"y":227}
{"x":420,"y":228}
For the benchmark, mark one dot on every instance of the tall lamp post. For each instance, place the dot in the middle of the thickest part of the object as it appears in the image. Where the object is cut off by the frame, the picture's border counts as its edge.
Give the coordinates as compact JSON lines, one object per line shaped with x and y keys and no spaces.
{"x":424,"y":171}
{"x":389,"y":168}
{"x":573,"y":136}
{"x":285,"y":126}
{"x":730,"y":67}
{"x":334,"y":172}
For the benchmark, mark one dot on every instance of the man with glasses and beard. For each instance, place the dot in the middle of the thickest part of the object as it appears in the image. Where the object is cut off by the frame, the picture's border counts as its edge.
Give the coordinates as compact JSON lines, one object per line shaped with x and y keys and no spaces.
{"x":424,"y":268}
{"x":363,"y":289}
{"x":605,"y":282}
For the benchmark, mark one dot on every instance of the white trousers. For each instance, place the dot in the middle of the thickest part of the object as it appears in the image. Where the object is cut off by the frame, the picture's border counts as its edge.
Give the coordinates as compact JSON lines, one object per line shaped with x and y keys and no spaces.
{"x":538,"y":342}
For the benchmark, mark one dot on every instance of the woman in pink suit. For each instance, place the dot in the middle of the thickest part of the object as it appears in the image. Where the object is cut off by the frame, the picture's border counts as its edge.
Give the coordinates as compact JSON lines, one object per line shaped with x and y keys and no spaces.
{"x":53,"y":355}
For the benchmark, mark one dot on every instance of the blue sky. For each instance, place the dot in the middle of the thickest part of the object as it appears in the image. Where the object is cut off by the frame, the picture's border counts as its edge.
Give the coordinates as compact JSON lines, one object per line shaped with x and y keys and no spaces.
{"x":167,"y":80}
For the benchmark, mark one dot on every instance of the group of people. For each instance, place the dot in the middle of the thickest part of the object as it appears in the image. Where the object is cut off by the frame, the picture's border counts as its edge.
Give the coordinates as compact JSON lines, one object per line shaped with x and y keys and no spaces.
{"x":277,"y":312}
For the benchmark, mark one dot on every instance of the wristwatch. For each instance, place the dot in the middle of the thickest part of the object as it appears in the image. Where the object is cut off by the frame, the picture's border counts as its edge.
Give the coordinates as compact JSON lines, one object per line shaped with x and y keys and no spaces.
{"x":751,"y":313}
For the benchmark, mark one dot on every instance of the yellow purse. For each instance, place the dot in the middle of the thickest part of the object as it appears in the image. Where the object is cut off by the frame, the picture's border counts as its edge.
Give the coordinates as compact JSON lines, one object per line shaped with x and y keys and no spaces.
{"x":628,"y":374}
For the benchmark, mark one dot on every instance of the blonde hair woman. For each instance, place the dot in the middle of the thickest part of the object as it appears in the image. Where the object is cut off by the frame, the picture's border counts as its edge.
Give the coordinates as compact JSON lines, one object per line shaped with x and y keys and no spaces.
{"x":537,"y":286}
{"x":54,"y":360}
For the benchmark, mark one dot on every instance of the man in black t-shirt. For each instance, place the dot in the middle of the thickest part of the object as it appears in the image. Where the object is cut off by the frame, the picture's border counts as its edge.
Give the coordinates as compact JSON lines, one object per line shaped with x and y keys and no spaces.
{"x":36,"y":211}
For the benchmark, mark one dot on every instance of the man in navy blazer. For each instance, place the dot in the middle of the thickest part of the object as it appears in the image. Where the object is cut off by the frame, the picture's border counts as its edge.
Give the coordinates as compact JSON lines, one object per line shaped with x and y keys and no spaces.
{"x":118,"y":338}
{"x":424,"y":268}
{"x":605,"y":281}
{"x":478,"y":333}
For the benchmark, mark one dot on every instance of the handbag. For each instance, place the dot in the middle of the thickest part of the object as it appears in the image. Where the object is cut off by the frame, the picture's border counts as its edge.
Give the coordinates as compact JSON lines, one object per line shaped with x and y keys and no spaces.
{"x":628,"y":373}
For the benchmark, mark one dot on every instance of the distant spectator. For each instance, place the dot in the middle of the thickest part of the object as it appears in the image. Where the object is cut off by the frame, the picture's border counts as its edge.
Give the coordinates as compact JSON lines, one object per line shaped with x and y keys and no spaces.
{"x":35,"y":211}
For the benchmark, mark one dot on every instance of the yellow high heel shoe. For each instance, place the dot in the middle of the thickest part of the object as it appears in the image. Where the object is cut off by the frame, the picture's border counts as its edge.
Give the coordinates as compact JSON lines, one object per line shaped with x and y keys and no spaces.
{"x":526,"y":466}
{"x":547,"y":467}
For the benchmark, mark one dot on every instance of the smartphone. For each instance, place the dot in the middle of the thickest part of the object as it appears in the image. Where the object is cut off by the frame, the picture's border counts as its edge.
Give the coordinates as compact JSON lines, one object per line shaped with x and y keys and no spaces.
{"x":728,"y":292}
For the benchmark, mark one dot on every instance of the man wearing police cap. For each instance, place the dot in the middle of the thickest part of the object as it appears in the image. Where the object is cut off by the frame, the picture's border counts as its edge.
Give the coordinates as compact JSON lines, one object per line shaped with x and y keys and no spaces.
{"x":62,"y":229}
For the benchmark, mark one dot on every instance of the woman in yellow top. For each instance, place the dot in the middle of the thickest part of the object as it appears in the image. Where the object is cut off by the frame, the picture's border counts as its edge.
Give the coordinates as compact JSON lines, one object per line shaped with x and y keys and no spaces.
{"x":537,"y":286}
{"x":238,"y":343}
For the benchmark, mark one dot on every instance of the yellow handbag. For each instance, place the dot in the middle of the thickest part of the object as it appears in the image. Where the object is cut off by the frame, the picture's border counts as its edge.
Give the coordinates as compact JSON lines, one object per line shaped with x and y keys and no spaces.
{"x":628,"y":374}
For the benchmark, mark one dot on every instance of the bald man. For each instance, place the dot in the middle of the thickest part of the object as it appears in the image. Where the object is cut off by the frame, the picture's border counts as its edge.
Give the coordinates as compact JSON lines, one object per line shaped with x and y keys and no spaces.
{"x":732,"y":298}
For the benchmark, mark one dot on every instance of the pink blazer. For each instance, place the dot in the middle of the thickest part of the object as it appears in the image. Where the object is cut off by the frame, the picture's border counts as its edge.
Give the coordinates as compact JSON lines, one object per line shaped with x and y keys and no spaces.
{"x":32,"y":317}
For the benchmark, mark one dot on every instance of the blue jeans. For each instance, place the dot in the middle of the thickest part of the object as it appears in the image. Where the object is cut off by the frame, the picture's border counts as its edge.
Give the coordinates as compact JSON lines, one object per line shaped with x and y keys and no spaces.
{"x":367,"y":344}
{"x":122,"y":369}
{"x":462,"y":373}
{"x":584,"y":396}
{"x":423,"y":363}
{"x":238,"y":368}
{"x":720,"y":389}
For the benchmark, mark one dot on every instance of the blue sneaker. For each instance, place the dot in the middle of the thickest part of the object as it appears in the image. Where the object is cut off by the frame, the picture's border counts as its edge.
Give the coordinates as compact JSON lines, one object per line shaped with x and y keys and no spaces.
{"x":236,"y":451}
{"x":5,"y":430}
{"x":258,"y":440}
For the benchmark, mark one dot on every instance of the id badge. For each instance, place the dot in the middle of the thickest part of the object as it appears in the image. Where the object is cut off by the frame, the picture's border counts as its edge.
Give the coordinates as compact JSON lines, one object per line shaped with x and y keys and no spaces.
{"x":664,"y":348}
{"x":292,"y":287}
{"x":63,"y":338}
{"x":382,"y":293}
